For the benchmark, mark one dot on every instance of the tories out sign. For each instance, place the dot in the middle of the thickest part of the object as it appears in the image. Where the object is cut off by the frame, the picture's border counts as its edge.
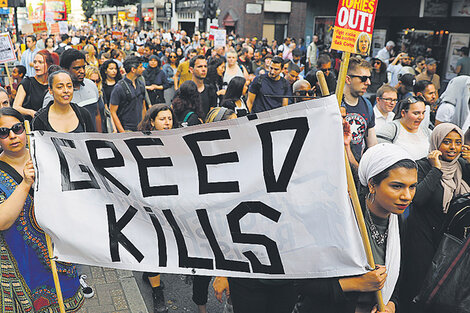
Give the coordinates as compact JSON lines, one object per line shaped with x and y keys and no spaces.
{"x":264,"y":196}
{"x":354,"y":26}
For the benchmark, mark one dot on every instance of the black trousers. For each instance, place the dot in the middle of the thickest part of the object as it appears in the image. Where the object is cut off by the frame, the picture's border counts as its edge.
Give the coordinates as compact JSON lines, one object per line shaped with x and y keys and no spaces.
{"x":200,"y":289}
{"x":256,"y":296}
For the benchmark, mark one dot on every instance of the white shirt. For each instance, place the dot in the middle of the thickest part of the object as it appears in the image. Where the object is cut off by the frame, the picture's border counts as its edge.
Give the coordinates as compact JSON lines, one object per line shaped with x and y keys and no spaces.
{"x":383,"y":55}
{"x":394,"y":70}
{"x":380,"y":119}
{"x":416,"y":144}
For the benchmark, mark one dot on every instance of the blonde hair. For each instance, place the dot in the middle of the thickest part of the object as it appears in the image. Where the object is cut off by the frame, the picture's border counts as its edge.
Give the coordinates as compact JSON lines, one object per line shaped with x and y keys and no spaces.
{"x":90,"y":70}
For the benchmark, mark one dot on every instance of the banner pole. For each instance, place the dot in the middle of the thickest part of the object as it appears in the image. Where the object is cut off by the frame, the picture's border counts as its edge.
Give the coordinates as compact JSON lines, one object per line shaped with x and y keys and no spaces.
{"x":8,"y":73}
{"x":55,"y":275}
{"x":350,"y":178}
{"x":343,"y":71}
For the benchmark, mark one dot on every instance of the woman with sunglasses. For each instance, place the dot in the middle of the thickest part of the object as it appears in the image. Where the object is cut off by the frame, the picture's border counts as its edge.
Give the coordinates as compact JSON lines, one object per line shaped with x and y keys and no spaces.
{"x":420,"y":65}
{"x":443,"y":174}
{"x":378,"y":75}
{"x":407,"y":129}
{"x":27,"y":281}
{"x":31,"y":91}
{"x":61,"y":115}
{"x":170,"y":70}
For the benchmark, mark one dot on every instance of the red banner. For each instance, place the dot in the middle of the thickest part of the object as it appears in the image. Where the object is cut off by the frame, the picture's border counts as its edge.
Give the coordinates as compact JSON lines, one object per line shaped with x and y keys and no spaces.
{"x":354,"y":26}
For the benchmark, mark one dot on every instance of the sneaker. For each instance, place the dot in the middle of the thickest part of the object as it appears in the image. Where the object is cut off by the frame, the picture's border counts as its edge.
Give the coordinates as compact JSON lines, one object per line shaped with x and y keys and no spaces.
{"x":88,"y":292}
{"x":158,"y":300}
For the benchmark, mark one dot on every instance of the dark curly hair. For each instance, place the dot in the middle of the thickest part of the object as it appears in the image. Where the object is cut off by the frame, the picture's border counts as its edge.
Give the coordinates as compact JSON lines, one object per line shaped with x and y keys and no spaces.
{"x":187,"y":97}
{"x":104,"y":68}
{"x":146,"y":123}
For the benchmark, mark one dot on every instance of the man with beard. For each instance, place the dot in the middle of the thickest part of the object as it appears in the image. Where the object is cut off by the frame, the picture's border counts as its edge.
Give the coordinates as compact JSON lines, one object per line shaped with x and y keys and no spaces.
{"x":198,"y":68}
{"x":430,"y":73}
{"x":85,"y":92}
{"x":245,"y":59}
{"x":266,"y":85}
{"x":428,"y":92}
{"x":127,"y":98}
{"x":403,"y":67}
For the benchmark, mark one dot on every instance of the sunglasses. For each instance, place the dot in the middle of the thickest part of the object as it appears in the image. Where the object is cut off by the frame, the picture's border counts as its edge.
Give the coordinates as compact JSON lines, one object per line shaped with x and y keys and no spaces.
{"x":362,"y":78}
{"x":414,"y":99}
{"x":17,"y":129}
{"x":377,"y":62}
{"x":172,"y":56}
{"x":325,"y":69}
{"x":96,"y":81}
{"x":304,"y":93}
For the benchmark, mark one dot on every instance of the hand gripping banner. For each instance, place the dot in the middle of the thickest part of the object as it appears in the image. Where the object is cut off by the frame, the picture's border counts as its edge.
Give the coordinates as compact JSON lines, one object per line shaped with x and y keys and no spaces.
{"x":261,"y":197}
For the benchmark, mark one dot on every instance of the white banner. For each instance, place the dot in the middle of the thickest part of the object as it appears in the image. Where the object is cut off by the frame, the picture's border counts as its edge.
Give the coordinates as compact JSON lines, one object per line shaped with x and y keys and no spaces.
{"x":220,"y":36}
{"x":262,"y":198}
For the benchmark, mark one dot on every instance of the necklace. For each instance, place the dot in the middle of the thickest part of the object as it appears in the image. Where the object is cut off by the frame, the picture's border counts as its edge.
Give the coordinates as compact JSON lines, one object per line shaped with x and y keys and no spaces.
{"x":374,"y":232}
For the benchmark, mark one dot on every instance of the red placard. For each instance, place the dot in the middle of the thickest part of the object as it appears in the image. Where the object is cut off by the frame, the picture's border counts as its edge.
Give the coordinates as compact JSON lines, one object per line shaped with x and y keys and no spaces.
{"x":117,"y":35}
{"x":354,"y":26}
{"x":39,"y":27}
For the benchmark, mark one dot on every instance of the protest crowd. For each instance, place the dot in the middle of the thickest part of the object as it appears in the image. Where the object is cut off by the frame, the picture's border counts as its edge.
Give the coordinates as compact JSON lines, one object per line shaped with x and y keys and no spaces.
{"x":406,"y":135}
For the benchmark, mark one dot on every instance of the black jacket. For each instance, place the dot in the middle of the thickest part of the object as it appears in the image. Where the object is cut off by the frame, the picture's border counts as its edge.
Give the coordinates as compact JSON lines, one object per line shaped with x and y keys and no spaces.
{"x":41,"y":119}
{"x":423,"y":229}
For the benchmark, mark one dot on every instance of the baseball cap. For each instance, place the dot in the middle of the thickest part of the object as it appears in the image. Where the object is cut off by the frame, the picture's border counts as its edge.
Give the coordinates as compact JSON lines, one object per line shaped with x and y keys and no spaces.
{"x":430,"y":61}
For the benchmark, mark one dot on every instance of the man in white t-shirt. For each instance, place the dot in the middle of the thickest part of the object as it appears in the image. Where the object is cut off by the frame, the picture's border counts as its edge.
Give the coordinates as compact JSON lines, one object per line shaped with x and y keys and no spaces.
{"x":386,"y":102}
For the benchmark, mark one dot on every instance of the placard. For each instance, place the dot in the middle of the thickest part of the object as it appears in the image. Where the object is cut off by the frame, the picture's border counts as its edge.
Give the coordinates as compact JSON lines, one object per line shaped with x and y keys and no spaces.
{"x":354,"y":26}
{"x":220,"y":37}
{"x":7,"y":51}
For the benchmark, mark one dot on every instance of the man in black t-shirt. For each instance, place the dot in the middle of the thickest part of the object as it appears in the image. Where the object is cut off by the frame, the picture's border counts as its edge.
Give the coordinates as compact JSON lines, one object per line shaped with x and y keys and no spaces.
{"x":359,"y":112}
{"x":267,"y":85}
{"x":198,"y":67}
{"x":127,"y":97}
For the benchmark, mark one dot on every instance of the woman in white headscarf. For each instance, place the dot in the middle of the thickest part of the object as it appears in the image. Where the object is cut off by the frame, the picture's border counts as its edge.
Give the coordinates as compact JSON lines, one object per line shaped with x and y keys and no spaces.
{"x":389,"y":175}
{"x":443,"y":174}
{"x":454,"y":107}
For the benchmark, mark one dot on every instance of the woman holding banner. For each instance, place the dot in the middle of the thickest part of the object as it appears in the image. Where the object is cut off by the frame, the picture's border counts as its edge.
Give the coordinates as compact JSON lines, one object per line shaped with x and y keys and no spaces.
{"x":158,"y":117}
{"x":60,"y":115}
{"x":390,"y":177}
{"x":26,"y":282}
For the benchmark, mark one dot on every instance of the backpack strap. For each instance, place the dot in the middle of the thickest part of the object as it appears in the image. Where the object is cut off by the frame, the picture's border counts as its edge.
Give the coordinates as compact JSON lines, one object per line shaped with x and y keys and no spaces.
{"x":186,"y":118}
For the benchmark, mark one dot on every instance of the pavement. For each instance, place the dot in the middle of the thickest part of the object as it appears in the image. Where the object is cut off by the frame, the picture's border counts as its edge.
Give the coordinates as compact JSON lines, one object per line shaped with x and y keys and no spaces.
{"x":120,"y":291}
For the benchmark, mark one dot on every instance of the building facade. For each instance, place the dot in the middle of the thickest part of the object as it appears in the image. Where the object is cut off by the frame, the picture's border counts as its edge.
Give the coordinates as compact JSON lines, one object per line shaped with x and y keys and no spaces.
{"x":274,"y":20}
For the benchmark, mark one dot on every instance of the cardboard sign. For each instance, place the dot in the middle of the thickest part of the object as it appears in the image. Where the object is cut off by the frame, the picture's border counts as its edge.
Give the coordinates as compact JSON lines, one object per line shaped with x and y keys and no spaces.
{"x":39,"y":27}
{"x":117,"y":35}
{"x":354,"y":26}
{"x":7,"y":51}
{"x":59,"y":28}
{"x":220,"y":36}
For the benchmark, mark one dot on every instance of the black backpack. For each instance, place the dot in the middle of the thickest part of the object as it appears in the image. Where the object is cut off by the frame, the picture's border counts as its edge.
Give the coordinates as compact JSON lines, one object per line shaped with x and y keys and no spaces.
{"x":457,"y":221}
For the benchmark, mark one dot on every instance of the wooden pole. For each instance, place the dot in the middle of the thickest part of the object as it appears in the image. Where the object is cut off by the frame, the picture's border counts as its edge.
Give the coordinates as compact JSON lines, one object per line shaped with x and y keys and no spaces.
{"x":8,"y":73}
{"x":55,"y":275}
{"x":343,"y":71}
{"x":352,"y":186}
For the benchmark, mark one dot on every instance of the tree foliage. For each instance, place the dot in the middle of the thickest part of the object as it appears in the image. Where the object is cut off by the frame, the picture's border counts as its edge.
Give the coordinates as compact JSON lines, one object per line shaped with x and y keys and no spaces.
{"x":88,"y":7}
